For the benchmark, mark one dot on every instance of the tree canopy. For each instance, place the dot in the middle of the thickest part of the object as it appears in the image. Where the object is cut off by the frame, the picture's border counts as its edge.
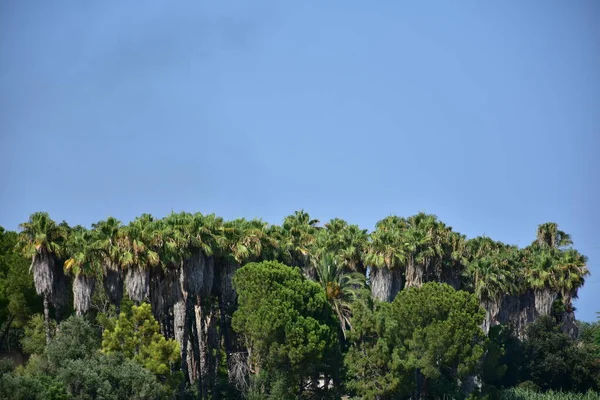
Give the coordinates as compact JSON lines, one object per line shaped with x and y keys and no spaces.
{"x":213,"y":308}
{"x":286,"y":322}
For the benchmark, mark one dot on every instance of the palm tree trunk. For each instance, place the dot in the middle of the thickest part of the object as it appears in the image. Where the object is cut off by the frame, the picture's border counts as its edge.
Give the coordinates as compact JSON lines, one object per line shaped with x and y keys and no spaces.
{"x":137,"y":282}
{"x":208,"y":344}
{"x":227,"y":303}
{"x":199,"y":352}
{"x":83,"y":289}
{"x":180,"y":333}
{"x":6,"y":329}
{"x":47,"y":318}
{"x":544,"y":298}
{"x":414,"y":274}
{"x":418,"y":383}
{"x":385,"y":283}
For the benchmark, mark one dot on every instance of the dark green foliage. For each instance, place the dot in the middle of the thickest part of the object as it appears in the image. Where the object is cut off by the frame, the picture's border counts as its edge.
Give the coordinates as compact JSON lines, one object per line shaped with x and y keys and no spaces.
{"x":555,"y":361}
{"x":136,"y":336}
{"x":504,"y":360}
{"x":110,"y":377}
{"x":427,"y":343}
{"x":34,"y":340}
{"x":368,"y":360}
{"x":523,"y":393}
{"x":424,"y":342}
{"x":589,"y":334}
{"x":289,"y":328}
{"x":73,"y":368}
{"x":32,"y":387}
{"x":18,"y":300}
{"x":76,"y":339}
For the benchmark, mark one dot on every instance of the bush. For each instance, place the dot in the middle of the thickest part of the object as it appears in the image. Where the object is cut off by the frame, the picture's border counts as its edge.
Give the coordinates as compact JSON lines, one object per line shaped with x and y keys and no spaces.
{"x":75,"y":339}
{"x":110,"y":377}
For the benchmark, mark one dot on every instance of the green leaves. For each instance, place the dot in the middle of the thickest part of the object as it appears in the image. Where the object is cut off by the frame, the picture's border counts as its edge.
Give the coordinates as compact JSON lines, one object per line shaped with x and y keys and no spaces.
{"x":18,"y":300}
{"x":341,"y":288}
{"x":137,"y":336}
{"x":285,"y":320}
{"x":41,"y":233}
{"x":431,"y":332}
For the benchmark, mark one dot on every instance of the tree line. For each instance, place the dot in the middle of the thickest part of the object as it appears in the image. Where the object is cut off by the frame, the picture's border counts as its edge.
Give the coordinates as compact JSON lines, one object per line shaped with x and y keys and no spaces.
{"x":247,"y":309}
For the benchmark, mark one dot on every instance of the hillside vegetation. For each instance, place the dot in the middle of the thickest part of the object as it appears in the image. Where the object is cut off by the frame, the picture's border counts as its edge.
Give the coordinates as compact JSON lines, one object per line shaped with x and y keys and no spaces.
{"x":194,"y":306}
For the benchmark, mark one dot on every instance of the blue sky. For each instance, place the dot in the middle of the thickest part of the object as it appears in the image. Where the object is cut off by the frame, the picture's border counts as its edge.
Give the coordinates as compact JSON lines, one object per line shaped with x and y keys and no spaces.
{"x":484,"y":113}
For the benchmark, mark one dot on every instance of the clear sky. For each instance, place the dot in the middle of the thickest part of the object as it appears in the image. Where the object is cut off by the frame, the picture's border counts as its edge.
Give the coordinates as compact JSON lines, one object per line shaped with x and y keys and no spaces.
{"x":486,"y":114}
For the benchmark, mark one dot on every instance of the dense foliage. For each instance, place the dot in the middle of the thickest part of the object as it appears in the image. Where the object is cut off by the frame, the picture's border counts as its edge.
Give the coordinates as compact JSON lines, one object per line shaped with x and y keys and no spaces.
{"x":137,"y":336}
{"x":197,"y":306}
{"x":290,"y":331}
{"x":425,"y":342}
{"x":71,"y":367}
{"x":18,"y":300}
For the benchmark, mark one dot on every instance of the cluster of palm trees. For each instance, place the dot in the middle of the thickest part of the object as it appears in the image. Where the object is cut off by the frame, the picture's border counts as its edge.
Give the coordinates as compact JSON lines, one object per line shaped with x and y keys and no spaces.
{"x":183,"y":265}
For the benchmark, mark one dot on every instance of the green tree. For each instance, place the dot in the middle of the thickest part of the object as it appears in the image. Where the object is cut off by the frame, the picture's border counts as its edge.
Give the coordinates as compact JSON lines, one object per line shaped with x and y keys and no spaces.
{"x":76,"y":339}
{"x":73,"y":368}
{"x":18,"y":299}
{"x":553,"y":360}
{"x":141,"y":244}
{"x":298,"y":240}
{"x":110,"y":377}
{"x":84,"y":263}
{"x":288,"y":327}
{"x":137,"y":337}
{"x":34,"y":339}
{"x":368,"y":360}
{"x":110,"y":241}
{"x":341,"y":288}
{"x":43,"y":241}
{"x":346,"y":242}
{"x":386,"y":258}
{"x":425,"y":342}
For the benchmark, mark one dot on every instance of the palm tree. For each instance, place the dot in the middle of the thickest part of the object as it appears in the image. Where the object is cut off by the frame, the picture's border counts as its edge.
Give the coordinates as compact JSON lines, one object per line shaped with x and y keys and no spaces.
{"x":85,"y":265}
{"x":386,"y":257}
{"x":453,"y":258}
{"x":299,"y":232}
{"x":568,"y":275}
{"x":174,"y":245}
{"x":187,"y":245}
{"x":43,"y":240}
{"x":492,"y":272}
{"x":341,"y":288}
{"x":423,"y":241}
{"x":110,"y":241}
{"x":244,"y":241}
{"x":140,"y":256}
{"x":492,"y":278}
{"x":347,"y":242}
{"x":555,"y":269}
{"x":548,"y":235}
